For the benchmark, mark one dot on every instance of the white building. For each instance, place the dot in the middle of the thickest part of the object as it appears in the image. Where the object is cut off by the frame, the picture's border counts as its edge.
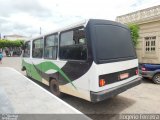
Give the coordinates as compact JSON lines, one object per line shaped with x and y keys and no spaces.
{"x":15,"y":37}
{"x":148,"y":49}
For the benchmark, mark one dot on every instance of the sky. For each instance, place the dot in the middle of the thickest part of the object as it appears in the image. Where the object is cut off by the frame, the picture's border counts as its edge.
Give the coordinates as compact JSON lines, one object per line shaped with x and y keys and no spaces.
{"x":26,"y":17}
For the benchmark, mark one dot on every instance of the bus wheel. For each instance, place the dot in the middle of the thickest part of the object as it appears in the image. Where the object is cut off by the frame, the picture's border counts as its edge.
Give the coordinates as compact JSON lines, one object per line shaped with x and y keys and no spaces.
{"x":54,"y":88}
{"x":156,"y":78}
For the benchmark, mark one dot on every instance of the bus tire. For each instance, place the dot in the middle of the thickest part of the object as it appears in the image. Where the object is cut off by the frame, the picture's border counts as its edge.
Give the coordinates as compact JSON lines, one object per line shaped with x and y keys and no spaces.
{"x":54,"y":88}
{"x":156,"y":78}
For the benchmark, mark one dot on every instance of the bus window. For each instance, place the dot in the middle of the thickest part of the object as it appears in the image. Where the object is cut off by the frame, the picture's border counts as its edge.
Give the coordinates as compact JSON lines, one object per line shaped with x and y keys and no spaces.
{"x":27,"y":49}
{"x":73,"y":45}
{"x":51,"y":44}
{"x":37,"y":51}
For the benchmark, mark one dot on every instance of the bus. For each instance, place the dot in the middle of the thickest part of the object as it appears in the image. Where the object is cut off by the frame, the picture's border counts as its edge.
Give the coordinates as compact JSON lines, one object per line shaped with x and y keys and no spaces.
{"x":93,"y":59}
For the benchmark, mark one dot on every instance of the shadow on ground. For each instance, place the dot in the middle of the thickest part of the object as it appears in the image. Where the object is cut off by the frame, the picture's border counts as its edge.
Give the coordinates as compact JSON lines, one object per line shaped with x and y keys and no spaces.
{"x":147,"y":80}
{"x":106,"y":109}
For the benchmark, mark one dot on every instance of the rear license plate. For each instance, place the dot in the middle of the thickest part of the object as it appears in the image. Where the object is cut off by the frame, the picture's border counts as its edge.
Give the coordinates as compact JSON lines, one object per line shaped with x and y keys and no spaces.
{"x":124,"y":76}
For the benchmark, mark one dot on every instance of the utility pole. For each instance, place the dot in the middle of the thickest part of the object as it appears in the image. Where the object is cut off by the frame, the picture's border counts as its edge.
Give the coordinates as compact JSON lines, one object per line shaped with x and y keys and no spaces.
{"x":40,"y":31}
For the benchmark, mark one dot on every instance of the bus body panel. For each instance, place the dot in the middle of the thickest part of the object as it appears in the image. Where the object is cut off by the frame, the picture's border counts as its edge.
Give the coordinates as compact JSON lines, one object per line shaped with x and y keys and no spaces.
{"x":26,"y":65}
{"x":75,"y":89}
{"x":110,"y":68}
{"x":78,"y":92}
{"x":90,"y":80}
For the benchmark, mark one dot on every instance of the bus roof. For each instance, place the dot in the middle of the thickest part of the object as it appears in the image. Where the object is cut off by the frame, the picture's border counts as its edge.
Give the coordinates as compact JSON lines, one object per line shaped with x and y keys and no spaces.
{"x":77,"y":24}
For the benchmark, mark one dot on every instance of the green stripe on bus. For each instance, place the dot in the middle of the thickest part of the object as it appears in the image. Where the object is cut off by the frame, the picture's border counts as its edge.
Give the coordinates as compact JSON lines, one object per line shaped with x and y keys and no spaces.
{"x":31,"y":70}
{"x":48,"y":66}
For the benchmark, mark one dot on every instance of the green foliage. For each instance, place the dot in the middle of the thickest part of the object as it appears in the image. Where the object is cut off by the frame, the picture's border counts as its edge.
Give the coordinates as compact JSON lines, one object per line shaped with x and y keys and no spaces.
{"x":9,"y":43}
{"x":134,"y":33}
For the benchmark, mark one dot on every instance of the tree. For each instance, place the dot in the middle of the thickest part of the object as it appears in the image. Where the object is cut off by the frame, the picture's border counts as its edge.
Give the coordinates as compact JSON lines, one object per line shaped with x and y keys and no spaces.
{"x":9,"y":43}
{"x":134,"y":33}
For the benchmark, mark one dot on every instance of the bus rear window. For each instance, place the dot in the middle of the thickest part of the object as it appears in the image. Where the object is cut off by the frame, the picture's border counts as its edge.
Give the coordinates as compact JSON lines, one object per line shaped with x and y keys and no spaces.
{"x":113,"y":43}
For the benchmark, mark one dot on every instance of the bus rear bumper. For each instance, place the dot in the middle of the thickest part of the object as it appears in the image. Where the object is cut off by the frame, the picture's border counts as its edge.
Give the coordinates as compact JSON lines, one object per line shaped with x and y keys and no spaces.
{"x":102,"y":95}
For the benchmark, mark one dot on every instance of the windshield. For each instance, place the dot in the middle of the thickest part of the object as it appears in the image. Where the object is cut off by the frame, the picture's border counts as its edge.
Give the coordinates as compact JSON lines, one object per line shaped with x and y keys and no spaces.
{"x":113,"y":43}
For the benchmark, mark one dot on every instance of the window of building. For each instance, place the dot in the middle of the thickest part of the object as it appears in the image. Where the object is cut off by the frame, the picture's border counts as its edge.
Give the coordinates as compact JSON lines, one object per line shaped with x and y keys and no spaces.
{"x":73,"y":45}
{"x":51,"y":45}
{"x":37,"y":51}
{"x":150,"y":44}
{"x":27,"y":49}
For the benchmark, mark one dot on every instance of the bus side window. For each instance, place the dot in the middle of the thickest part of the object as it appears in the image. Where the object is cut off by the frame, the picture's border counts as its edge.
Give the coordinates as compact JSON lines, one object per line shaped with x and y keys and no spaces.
{"x":37,"y":51}
{"x":73,"y":45}
{"x":27,"y":49}
{"x":51,"y":45}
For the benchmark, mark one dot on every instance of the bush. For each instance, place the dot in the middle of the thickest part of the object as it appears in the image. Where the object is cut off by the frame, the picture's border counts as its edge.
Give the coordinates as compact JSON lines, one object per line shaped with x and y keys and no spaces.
{"x":134,"y":33}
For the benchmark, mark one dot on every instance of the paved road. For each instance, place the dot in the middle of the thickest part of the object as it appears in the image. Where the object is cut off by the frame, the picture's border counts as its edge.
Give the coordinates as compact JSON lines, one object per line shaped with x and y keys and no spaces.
{"x":144,"y":98}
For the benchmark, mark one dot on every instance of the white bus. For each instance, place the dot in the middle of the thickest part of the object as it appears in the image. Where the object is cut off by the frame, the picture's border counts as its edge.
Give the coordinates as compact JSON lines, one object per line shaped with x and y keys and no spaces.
{"x":93,"y":60}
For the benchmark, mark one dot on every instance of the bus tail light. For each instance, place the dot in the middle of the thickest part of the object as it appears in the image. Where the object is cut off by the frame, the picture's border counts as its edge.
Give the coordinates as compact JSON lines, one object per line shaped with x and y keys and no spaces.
{"x":102,"y":82}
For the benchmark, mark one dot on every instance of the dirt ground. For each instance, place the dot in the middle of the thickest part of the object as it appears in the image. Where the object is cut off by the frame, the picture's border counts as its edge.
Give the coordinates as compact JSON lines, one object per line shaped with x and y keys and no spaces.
{"x":142,"y":99}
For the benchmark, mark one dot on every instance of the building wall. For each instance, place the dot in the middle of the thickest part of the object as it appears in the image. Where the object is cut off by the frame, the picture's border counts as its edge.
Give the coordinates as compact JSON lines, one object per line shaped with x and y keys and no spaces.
{"x":148,"y":48}
{"x":16,"y":38}
{"x":151,"y":29}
